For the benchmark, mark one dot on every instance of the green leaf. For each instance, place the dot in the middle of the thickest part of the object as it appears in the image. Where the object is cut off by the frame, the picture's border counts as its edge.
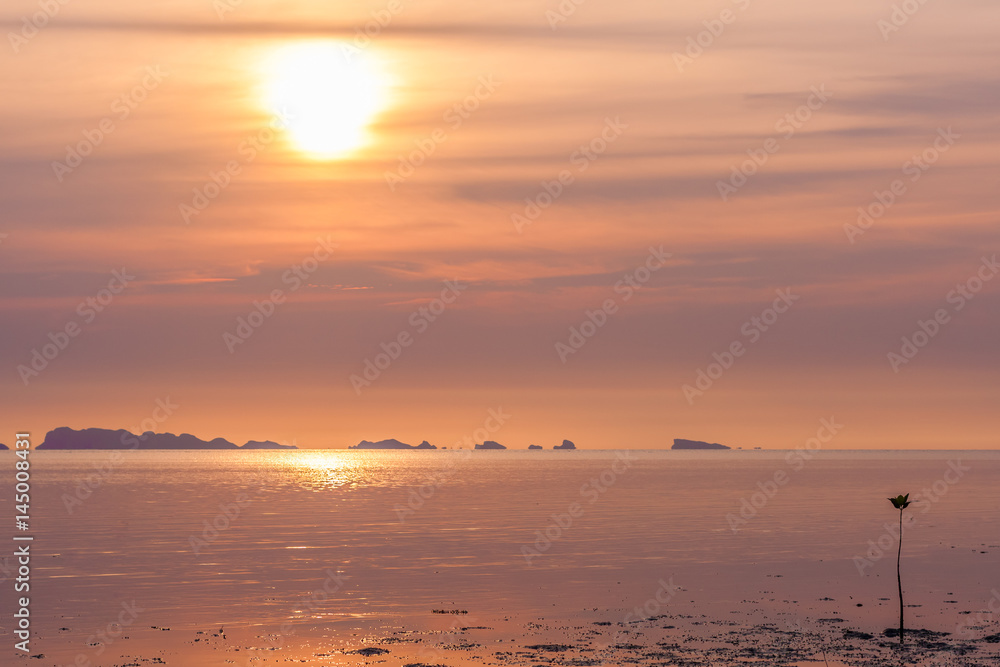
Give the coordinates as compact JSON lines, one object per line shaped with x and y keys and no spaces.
{"x":900,"y":502}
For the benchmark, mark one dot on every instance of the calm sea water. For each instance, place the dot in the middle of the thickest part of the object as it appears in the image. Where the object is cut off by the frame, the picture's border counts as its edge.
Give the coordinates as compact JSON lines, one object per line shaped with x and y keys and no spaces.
{"x":245,"y":538}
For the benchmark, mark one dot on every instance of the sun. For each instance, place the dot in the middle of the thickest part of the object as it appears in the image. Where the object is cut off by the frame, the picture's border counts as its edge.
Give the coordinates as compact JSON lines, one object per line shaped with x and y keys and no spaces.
{"x":327,"y":94}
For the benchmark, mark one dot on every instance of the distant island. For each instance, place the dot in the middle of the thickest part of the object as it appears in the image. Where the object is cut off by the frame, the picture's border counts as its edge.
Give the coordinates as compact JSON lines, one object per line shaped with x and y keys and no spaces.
{"x":102,"y":438}
{"x":266,"y":444}
{"x":490,"y":444}
{"x":391,"y":443}
{"x":681,"y":443}
{"x":66,"y":438}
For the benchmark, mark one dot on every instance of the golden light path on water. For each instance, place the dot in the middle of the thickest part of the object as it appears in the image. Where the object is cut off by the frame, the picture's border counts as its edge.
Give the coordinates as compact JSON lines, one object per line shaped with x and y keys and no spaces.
{"x":322,"y":470}
{"x":326,"y":95}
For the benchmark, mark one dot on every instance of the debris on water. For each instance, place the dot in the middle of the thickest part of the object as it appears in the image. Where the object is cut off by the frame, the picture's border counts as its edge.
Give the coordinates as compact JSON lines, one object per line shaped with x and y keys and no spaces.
{"x":551,"y":648}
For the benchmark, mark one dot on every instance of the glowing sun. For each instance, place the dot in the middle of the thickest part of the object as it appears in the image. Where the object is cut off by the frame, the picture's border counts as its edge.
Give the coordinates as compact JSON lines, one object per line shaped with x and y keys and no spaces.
{"x":327,"y":94}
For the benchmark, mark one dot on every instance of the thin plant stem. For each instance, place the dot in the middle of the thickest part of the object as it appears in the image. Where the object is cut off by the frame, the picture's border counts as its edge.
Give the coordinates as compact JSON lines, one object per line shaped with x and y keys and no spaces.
{"x":899,"y":578}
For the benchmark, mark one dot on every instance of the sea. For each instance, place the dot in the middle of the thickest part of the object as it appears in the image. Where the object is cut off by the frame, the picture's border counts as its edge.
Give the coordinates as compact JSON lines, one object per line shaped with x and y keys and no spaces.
{"x":351,"y":546}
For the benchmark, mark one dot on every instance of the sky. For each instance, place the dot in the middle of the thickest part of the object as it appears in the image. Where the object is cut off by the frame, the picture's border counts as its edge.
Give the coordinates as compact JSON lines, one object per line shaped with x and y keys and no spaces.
{"x":614,"y":222}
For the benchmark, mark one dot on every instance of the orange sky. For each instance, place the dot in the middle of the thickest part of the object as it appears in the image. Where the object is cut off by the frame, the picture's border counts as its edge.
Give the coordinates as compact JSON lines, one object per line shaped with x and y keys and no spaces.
{"x":613,"y":100}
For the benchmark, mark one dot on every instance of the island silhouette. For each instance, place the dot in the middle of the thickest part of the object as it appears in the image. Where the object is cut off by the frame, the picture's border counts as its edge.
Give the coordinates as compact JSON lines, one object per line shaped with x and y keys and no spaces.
{"x":681,"y":443}
{"x":102,"y":438}
{"x":490,"y":444}
{"x":391,"y":443}
{"x":65,"y":437}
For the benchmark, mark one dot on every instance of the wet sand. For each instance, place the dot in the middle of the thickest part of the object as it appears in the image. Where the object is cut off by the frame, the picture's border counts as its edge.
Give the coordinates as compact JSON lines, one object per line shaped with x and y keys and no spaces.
{"x":751,"y":634}
{"x":319,"y":570}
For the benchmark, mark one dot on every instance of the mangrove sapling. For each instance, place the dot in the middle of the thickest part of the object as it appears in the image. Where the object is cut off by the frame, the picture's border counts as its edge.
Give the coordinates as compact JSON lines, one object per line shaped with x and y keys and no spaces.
{"x":900,"y":503}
